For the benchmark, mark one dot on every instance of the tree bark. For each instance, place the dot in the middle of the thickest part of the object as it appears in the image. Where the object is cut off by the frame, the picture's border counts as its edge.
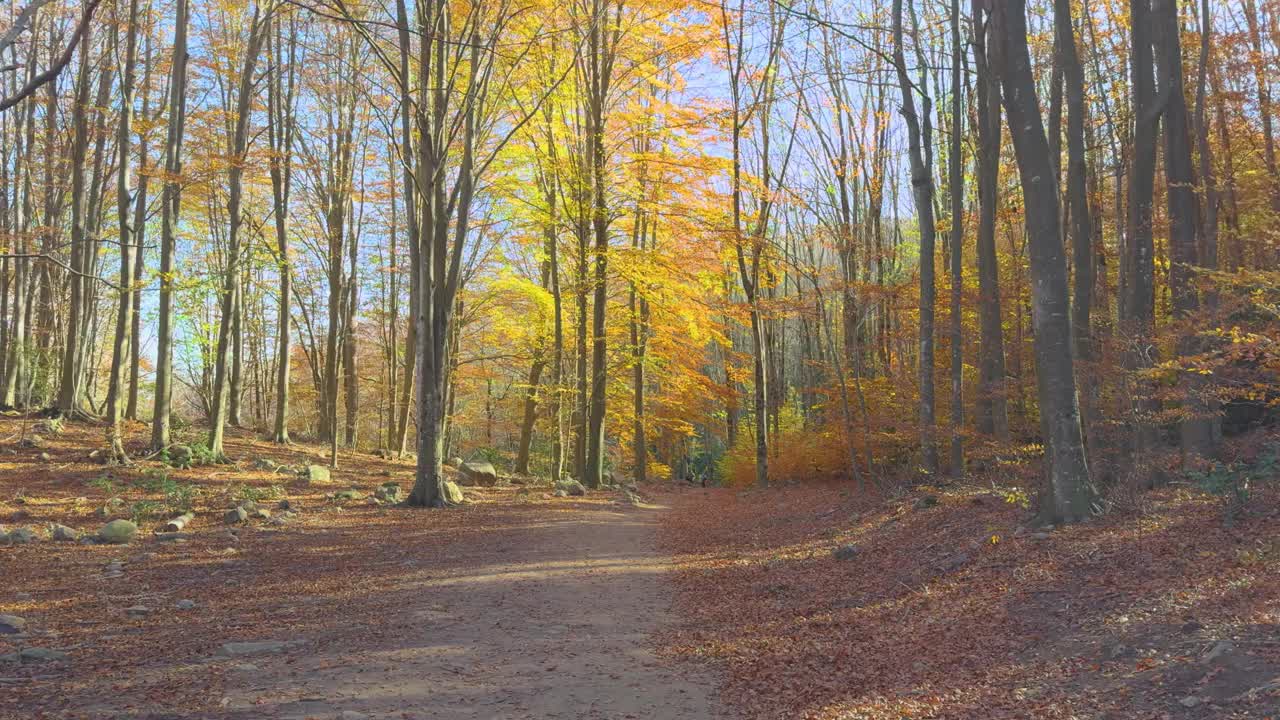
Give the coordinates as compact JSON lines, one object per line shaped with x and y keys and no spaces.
{"x":1071,"y":489}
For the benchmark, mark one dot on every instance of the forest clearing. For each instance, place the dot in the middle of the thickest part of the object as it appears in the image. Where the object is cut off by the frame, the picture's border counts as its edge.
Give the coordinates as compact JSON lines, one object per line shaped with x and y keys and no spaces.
{"x":836,"y":359}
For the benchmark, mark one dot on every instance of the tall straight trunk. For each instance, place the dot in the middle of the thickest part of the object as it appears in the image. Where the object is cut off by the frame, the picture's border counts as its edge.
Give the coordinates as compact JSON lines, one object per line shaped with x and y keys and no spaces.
{"x":639,"y":331}
{"x":992,"y":405}
{"x":140,"y":234}
{"x":1184,"y":216}
{"x":235,"y":190}
{"x":170,"y":206}
{"x":280,"y":129}
{"x":956,"y":188}
{"x":124,"y":217}
{"x":16,"y":347}
{"x":1208,"y":174}
{"x":1070,"y":486}
{"x":1137,"y":268}
{"x":411,"y":211}
{"x":1077,"y":199}
{"x":922,"y":189}
{"x":70,"y":388}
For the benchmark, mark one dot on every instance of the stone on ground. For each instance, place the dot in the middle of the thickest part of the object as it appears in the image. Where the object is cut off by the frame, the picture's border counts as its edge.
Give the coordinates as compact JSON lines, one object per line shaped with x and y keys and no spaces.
{"x":482,"y":474}
{"x":317,"y":474}
{"x":453,"y":493}
{"x":236,"y":516}
{"x":11,"y":624}
{"x":64,"y":533}
{"x":570,"y":487}
{"x":118,"y":532}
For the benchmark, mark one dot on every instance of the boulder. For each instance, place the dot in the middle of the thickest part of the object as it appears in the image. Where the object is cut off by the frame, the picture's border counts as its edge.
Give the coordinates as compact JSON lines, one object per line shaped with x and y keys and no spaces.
{"x":388,"y":492}
{"x":265,"y":464}
{"x":50,"y":426}
{"x":118,"y":532}
{"x":12,"y":625}
{"x":317,"y":474}
{"x":41,"y":655}
{"x":22,"y":536}
{"x":185,"y":605}
{"x":31,"y":441}
{"x":351,"y":494}
{"x":179,"y":455}
{"x":455,"y":462}
{"x":64,"y":534}
{"x":137,"y":611}
{"x":452,"y":493}
{"x":570,"y":486}
{"x":845,"y":552}
{"x":236,"y":516}
{"x":260,"y":514}
{"x":482,"y":474}
{"x":925,"y":502}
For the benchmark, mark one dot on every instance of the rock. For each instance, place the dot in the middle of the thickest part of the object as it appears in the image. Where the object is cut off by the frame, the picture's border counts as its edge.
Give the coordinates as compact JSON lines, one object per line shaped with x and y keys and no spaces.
{"x":185,"y":604}
{"x":22,"y":536}
{"x":31,"y":441}
{"x":248,"y":505}
{"x":41,"y":655}
{"x":179,"y":455}
{"x":173,"y":537}
{"x":261,"y":514}
{"x":455,"y":462}
{"x":317,"y":474}
{"x":560,"y":493}
{"x":479,"y":473}
{"x":351,"y":494}
{"x":1189,"y":701}
{"x":388,"y":492}
{"x":452,"y":493}
{"x":64,"y":533}
{"x":260,"y":647}
{"x":1040,"y":536}
{"x":1219,"y":649}
{"x":23,"y":597}
{"x":46,"y":457}
{"x":50,"y":426}
{"x":11,"y":624}
{"x":285,"y":504}
{"x":137,"y":611}
{"x":236,"y":516}
{"x":571,"y":487}
{"x":1192,"y":626}
{"x":845,"y":552}
{"x":265,"y":464}
{"x":925,"y":502}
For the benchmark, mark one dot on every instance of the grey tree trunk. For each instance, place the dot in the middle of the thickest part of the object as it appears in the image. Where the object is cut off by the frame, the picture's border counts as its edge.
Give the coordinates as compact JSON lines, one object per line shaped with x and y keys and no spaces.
{"x":923,"y":193}
{"x":1068,"y":469}
{"x":239,"y":146}
{"x":170,"y":207}
{"x":124,"y":217}
{"x":956,"y":189}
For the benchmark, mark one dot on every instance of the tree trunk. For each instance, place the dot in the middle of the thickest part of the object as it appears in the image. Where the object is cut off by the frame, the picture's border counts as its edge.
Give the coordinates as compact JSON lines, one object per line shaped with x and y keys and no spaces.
{"x":922,"y":188}
{"x":992,"y":406}
{"x":1072,"y":495}
{"x":170,"y":206}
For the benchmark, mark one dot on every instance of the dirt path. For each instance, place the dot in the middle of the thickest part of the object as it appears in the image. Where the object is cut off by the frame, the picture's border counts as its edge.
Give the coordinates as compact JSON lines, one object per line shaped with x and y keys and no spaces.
{"x":552,"y":621}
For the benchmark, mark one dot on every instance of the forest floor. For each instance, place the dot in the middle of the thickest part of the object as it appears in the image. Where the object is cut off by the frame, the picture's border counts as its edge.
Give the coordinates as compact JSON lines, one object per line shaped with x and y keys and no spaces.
{"x":517,"y":604}
{"x":800,"y":601}
{"x":946,"y":602}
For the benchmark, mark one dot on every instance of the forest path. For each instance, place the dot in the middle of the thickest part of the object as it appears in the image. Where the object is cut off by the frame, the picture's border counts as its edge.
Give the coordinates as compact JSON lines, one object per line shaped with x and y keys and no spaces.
{"x":550,"y":619}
